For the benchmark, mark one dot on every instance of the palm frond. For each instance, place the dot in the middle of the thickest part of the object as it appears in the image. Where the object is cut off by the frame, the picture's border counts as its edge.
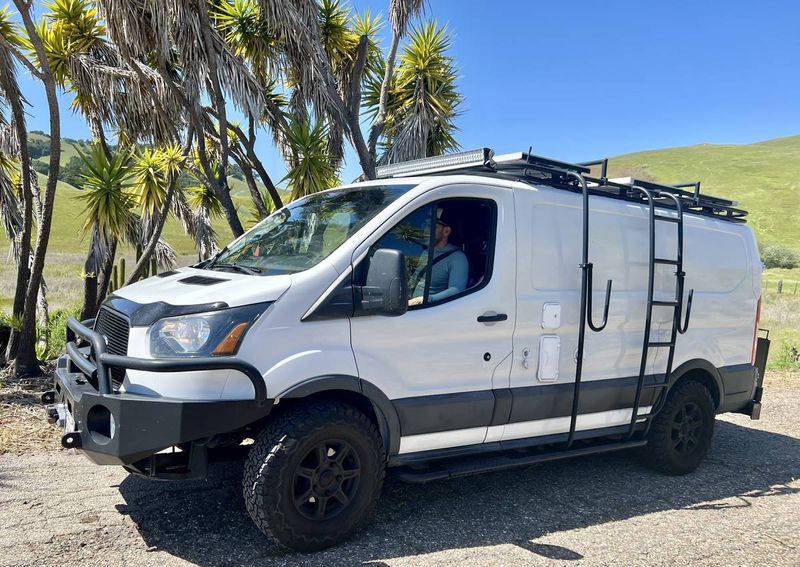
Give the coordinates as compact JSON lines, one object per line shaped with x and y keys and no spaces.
{"x":105,"y":183}
{"x":10,"y":210}
{"x":164,"y":254}
{"x":423,"y":100}
{"x":401,"y":12}
{"x":314,"y":170}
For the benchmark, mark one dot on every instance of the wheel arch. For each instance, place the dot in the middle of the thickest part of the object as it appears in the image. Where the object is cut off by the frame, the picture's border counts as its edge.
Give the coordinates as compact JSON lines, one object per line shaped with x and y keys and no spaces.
{"x":357,"y":392}
{"x":701,"y":371}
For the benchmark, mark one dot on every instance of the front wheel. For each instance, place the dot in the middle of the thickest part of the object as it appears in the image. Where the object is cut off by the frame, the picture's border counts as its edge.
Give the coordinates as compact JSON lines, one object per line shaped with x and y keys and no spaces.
{"x":314,"y":474}
{"x":681,"y":433}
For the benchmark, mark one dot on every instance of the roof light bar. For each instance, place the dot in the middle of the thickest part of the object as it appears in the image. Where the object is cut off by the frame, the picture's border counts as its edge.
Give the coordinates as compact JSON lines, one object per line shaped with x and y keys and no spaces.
{"x":474,"y":158}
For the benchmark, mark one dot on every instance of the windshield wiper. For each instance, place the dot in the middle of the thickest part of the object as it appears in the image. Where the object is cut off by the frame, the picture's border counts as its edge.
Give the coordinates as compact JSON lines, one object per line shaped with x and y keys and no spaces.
{"x":243,"y":269}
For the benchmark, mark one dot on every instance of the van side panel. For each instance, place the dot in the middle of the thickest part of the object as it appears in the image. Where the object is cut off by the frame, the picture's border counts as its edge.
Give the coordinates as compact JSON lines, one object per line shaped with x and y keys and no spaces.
{"x":719,"y":262}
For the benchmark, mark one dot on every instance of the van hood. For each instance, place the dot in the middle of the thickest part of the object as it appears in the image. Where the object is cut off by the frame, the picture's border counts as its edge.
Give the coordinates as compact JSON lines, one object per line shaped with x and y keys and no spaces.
{"x":191,"y":286}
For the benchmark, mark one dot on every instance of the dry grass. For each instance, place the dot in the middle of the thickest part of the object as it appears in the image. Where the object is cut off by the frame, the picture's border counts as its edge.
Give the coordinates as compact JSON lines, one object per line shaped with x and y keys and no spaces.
{"x":782,"y":379}
{"x":23,"y":427}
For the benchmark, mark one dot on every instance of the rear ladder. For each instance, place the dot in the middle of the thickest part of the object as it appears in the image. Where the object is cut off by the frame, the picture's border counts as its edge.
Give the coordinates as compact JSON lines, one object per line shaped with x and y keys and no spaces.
{"x":679,"y":324}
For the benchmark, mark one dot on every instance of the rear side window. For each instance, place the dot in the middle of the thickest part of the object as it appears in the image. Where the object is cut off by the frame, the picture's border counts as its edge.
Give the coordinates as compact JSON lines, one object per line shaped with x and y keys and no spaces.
{"x":461,"y":233}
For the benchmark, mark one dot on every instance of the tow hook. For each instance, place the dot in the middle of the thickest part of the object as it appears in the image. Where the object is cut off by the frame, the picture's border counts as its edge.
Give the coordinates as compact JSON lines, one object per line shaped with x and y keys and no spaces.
{"x":71,"y":440}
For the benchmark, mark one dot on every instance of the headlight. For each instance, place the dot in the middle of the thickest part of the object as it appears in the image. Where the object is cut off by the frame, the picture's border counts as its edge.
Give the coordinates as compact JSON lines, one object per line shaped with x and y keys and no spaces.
{"x":203,"y":334}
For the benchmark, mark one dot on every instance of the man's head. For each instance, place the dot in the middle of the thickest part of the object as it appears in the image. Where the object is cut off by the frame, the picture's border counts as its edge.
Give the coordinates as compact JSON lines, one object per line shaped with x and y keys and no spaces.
{"x":444,"y":227}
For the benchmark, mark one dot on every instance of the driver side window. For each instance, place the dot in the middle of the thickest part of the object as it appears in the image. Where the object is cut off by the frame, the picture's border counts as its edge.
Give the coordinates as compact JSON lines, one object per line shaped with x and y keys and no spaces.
{"x":461,"y":234}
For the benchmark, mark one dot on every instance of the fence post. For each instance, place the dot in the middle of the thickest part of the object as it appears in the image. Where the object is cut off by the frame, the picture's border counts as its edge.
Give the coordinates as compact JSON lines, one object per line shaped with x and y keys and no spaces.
{"x":780,"y":286}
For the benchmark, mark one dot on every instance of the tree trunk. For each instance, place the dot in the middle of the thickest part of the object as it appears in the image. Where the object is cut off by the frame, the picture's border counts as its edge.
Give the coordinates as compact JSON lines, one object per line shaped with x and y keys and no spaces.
{"x":23,"y":263}
{"x":383,"y":105}
{"x":218,"y":99}
{"x":26,"y":363}
{"x":259,"y":167}
{"x":255,"y":194}
{"x":90,"y":276}
{"x":105,"y":274}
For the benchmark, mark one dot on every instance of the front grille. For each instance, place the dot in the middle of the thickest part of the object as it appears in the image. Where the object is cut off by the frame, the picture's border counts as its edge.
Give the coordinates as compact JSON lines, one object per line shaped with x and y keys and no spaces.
{"x":115,"y":327}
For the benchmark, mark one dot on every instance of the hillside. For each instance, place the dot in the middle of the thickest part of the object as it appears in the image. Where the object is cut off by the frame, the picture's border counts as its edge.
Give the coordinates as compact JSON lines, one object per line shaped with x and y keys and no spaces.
{"x":763,"y":177}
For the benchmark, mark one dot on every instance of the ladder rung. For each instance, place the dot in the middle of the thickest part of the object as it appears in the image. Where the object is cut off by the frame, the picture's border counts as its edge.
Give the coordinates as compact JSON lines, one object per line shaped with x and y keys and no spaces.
{"x":652,"y":386}
{"x":666,"y":261}
{"x":667,"y":219}
{"x":661,"y":344}
{"x":666,"y":303}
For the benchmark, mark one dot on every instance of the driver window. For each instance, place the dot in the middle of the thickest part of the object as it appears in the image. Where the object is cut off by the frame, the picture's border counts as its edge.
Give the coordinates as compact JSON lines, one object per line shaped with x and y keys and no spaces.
{"x":461,"y":234}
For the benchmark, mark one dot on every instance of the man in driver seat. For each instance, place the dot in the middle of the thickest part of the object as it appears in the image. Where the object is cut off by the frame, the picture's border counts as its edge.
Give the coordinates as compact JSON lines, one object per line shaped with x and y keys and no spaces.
{"x":450,"y":268}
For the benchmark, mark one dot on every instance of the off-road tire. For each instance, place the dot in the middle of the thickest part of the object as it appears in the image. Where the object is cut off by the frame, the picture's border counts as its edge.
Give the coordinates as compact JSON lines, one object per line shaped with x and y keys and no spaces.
{"x":273,"y":464}
{"x":669,"y":449}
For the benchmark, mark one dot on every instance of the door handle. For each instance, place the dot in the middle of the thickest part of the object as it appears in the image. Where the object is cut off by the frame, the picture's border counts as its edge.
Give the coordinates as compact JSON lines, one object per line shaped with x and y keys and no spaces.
{"x":486,"y":318}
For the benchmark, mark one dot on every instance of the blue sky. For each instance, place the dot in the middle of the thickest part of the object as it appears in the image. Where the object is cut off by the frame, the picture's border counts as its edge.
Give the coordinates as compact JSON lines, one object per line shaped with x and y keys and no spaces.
{"x":581,"y":80}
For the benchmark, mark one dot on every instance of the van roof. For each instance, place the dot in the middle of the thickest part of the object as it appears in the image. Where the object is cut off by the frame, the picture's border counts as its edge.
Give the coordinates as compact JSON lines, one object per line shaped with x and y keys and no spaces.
{"x":538,"y":170}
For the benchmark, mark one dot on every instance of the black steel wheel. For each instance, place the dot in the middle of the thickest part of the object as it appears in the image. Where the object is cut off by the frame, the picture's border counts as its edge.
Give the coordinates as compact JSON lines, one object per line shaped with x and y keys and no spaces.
{"x":314,"y":474}
{"x":687,"y":426}
{"x":681,"y":433}
{"x":326,"y":480}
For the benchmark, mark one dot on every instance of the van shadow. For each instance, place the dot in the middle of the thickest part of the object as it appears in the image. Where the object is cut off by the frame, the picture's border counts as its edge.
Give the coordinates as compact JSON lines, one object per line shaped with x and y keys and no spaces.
{"x":205,"y":522}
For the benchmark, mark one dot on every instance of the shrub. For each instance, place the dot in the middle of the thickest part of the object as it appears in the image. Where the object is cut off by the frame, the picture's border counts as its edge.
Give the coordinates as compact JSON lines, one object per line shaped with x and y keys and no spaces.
{"x":53,"y":339}
{"x":71,"y":172}
{"x":42,"y":167}
{"x":788,"y":357}
{"x":779,"y":256}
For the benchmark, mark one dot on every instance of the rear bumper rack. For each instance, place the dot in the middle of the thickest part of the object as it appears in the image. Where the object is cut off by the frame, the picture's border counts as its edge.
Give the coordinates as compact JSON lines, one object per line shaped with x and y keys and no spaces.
{"x":124,"y":428}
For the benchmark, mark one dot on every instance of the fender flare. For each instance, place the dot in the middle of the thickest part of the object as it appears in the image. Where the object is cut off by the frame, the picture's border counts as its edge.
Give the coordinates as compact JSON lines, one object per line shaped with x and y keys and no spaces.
{"x":388,"y":421}
{"x":705,"y":366}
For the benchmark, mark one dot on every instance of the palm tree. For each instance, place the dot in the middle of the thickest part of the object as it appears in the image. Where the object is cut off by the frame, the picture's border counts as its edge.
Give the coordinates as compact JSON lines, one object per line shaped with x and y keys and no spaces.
{"x":192,"y":58}
{"x":107,"y":213}
{"x":26,"y":363}
{"x":315,"y":170}
{"x":401,"y":12}
{"x":423,"y":101}
{"x":156,"y":178}
{"x":15,"y":142}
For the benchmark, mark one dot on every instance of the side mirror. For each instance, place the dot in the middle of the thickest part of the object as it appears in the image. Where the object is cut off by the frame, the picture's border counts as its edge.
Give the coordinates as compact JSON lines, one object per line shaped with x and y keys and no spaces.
{"x":385,"y":292}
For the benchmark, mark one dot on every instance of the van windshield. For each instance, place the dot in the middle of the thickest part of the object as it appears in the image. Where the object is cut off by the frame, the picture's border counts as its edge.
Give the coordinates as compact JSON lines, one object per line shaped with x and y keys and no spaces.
{"x":305,"y":232}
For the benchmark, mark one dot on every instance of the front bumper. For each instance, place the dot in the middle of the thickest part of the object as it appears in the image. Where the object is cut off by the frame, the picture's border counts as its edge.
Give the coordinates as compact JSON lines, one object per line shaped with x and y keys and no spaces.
{"x":123,"y":428}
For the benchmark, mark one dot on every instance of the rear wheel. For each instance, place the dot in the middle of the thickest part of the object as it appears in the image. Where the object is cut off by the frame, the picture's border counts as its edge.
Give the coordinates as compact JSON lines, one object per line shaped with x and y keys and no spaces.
{"x":681,"y":433}
{"x":314,"y":474}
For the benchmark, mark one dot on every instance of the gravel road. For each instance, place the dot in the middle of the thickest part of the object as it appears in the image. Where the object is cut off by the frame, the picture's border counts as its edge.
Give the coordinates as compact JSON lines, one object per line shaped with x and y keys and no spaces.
{"x":741,"y":507}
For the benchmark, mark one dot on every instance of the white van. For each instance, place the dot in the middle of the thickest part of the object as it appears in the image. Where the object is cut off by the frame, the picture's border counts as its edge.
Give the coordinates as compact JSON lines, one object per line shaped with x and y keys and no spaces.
{"x":330,"y":344}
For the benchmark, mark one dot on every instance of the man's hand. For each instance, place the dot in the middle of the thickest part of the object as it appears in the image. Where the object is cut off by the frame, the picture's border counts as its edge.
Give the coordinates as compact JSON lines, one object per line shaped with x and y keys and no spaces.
{"x":415,"y":301}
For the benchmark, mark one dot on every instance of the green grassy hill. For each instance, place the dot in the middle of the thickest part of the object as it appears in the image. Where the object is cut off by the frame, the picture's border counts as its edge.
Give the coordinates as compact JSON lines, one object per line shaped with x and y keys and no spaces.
{"x":764,"y":178}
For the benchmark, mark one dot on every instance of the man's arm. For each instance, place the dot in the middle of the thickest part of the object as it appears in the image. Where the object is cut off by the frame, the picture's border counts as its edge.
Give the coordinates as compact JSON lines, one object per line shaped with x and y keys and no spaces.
{"x":458,"y":269}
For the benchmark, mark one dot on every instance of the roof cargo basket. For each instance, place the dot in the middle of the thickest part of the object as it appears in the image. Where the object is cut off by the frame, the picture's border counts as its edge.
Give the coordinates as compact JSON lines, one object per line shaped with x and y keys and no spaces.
{"x":530,"y":168}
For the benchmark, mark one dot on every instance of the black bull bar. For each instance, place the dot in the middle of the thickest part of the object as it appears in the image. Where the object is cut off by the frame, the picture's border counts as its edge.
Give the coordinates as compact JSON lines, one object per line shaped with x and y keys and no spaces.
{"x":96,"y":363}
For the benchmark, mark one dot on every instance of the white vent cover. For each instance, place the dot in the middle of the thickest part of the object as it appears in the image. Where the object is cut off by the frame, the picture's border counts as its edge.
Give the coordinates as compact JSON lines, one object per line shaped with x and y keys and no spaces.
{"x":551,"y":316}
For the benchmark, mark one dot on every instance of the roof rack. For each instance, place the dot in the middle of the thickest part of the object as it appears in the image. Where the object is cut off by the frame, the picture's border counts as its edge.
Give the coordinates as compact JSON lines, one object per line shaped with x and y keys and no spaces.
{"x":530,"y":168}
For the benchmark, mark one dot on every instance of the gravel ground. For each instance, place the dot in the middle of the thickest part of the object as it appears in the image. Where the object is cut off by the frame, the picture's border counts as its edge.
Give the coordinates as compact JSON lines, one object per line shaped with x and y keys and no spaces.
{"x":741,"y":507}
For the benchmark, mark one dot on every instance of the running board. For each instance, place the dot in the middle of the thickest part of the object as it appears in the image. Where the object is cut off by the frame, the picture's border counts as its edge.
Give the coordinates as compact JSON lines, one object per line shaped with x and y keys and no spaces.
{"x":499,"y":462}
